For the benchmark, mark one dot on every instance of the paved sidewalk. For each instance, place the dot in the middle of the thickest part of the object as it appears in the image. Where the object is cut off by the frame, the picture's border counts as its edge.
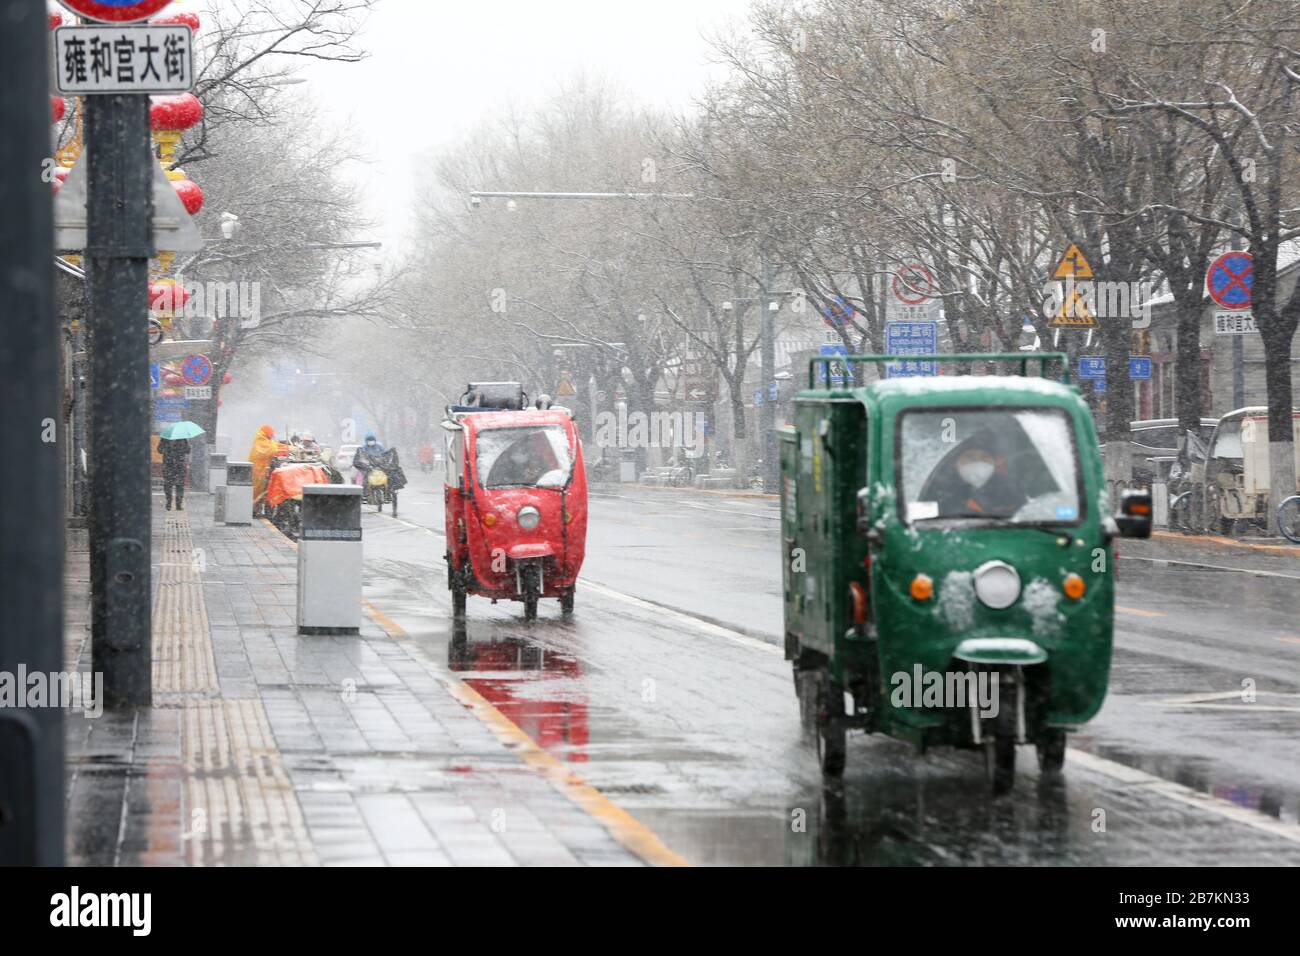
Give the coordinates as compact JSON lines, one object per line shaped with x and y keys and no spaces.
{"x":266,"y":747}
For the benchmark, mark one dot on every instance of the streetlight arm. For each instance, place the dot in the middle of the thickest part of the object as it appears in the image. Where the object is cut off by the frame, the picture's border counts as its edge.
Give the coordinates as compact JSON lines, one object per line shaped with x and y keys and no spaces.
{"x":480,"y":194}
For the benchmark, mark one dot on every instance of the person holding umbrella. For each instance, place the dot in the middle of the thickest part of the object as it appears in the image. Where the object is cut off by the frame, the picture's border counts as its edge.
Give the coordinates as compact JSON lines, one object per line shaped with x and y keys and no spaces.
{"x":174,"y":446}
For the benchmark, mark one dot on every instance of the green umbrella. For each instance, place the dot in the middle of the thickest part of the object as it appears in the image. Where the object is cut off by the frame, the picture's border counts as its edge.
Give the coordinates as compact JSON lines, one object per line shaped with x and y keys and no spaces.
{"x":181,"y":430}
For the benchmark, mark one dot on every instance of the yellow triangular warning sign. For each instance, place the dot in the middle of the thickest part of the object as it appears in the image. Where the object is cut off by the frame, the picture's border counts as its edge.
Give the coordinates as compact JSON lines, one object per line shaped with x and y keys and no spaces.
{"x":565,"y":389}
{"x":1074,"y":311}
{"x":1073,"y":264}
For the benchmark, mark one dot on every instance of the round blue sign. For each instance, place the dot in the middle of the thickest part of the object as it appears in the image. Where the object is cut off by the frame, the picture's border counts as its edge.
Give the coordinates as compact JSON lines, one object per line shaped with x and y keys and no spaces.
{"x":197,"y":370}
{"x":1230,"y":280}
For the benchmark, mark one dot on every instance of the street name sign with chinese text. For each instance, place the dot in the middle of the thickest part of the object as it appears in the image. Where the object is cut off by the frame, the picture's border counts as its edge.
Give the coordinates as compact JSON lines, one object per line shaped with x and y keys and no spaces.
{"x":1234,"y":322}
{"x":138,"y":58}
{"x":911,"y":338}
{"x":198,"y":392}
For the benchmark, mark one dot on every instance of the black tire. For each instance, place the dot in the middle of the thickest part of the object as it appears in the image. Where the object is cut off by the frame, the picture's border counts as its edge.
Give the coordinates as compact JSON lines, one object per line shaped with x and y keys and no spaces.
{"x":832,"y":729}
{"x":394,"y":509}
{"x":1000,"y":746}
{"x":1051,"y":750}
{"x":566,"y":601}
{"x":805,"y":689}
{"x":1288,"y":519}
{"x":458,"y":601}
{"x":532,"y":592}
{"x":1214,"y":520}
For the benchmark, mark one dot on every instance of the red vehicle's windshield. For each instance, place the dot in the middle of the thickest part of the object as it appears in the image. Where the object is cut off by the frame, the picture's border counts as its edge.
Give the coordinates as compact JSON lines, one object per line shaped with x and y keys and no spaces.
{"x":527,"y":456}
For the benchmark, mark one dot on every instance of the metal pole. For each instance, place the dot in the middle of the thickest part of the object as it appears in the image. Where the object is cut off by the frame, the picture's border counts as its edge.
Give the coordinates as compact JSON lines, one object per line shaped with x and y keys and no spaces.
{"x":119,"y":216}
{"x":767,"y":415}
{"x":31,"y":521}
{"x":1238,"y":341}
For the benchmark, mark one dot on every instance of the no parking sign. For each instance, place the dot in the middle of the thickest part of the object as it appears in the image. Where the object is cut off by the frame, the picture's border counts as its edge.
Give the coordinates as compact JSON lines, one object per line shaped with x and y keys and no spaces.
{"x":115,"y":11}
{"x":1230,"y":280}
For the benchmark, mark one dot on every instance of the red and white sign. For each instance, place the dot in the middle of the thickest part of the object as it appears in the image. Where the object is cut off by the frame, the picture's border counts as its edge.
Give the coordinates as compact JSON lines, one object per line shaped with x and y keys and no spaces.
{"x":913,"y":284}
{"x":116,"y":11}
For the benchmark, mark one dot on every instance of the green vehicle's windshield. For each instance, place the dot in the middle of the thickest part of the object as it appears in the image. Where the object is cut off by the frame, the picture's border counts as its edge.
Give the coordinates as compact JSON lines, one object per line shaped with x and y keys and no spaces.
{"x":1016,"y":465}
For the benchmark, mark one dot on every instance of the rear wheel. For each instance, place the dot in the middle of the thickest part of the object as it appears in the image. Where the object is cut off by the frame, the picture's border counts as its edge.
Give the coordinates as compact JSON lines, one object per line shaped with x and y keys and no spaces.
{"x":1051,"y":750}
{"x":566,"y":601}
{"x":394,"y":500}
{"x":832,"y":729}
{"x":1288,"y":519}
{"x":1215,"y":499}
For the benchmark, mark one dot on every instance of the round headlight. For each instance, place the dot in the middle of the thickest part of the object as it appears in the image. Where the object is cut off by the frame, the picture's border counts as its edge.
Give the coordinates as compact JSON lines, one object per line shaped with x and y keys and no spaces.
{"x":997,"y":584}
{"x":528,"y":517}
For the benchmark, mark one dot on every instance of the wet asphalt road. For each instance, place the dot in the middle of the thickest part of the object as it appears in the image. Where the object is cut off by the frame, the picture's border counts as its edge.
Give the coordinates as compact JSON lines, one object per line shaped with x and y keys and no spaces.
{"x":667,"y":691}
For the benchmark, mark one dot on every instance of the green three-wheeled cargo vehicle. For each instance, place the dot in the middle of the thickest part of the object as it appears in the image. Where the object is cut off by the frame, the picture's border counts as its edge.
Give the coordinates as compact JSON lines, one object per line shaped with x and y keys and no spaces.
{"x":948,"y":559}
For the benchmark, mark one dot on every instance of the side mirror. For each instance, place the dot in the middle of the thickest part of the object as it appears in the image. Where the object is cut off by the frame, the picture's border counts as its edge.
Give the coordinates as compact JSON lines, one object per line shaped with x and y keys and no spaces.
{"x":1134,"y":517}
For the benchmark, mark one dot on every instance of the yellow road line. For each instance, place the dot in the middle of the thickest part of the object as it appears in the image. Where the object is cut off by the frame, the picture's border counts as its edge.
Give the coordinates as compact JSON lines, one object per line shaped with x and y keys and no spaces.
{"x":1228,"y":542}
{"x":629,"y":831}
{"x":1139,"y":612}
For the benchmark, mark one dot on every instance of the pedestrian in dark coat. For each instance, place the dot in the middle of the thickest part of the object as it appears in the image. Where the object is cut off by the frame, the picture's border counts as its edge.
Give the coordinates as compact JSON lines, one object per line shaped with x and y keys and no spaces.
{"x":176,"y":460}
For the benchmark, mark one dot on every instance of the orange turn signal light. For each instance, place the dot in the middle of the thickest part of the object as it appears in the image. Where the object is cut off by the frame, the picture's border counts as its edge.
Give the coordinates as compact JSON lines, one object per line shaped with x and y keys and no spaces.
{"x":858,"y":603}
{"x":922,"y":587}
{"x":489,"y":519}
{"x":1073,"y":587}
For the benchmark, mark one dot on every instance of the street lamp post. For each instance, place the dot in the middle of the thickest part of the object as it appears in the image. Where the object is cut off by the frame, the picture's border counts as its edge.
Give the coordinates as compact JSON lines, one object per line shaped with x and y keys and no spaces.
{"x":31,"y":515}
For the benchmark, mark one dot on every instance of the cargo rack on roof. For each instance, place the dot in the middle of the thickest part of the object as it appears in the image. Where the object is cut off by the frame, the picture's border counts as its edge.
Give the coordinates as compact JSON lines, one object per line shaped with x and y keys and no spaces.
{"x":1023,"y":358}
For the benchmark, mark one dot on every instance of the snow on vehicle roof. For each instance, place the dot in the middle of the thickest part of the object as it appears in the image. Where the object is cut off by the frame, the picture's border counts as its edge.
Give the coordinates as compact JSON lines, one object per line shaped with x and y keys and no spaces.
{"x":918,"y":386}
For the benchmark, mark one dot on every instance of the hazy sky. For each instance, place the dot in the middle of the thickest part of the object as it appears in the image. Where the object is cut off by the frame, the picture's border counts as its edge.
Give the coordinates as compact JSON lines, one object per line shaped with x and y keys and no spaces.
{"x":439,"y":67}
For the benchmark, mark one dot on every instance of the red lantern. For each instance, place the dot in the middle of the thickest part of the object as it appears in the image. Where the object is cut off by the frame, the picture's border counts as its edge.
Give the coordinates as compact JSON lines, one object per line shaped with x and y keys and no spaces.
{"x":226,"y":379}
{"x":190,"y":193}
{"x":172,"y":379}
{"x":190,"y":20}
{"x":218,"y":403}
{"x":167,"y":297}
{"x":56,"y":19}
{"x":174,"y":112}
{"x":57,"y":108}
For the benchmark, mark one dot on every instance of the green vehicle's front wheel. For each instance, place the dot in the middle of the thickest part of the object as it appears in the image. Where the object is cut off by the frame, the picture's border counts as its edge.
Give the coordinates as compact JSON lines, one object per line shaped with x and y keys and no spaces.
{"x":1000,"y":744}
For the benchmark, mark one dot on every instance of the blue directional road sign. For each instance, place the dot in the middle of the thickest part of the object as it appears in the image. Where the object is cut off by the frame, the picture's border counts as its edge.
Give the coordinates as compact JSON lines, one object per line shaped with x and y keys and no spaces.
{"x":168,"y":409}
{"x":773,"y":392}
{"x":758,"y":397}
{"x":1092,"y":368}
{"x":1139,"y":368}
{"x":155,"y":376}
{"x":911,"y":338}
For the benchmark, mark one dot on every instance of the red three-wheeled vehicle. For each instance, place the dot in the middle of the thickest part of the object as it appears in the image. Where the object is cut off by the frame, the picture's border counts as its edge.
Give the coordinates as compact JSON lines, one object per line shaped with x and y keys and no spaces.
{"x":515,"y":495}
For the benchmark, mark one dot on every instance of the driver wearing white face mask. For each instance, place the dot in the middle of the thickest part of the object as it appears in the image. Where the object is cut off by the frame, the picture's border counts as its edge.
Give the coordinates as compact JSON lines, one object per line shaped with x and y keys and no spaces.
{"x":989,"y":490}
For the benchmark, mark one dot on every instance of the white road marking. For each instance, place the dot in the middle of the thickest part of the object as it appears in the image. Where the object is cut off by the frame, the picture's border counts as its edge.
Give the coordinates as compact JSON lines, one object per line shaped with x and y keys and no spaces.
{"x":1123,"y":773}
{"x":1140,"y":779}
{"x":1211,"y":567}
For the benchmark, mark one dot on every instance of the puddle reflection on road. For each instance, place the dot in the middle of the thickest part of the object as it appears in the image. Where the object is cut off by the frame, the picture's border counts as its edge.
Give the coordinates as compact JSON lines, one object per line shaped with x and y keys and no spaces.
{"x":535,"y":687}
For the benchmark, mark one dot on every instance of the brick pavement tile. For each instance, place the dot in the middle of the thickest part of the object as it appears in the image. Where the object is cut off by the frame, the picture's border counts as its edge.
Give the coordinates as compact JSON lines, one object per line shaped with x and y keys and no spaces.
{"x":273,"y":748}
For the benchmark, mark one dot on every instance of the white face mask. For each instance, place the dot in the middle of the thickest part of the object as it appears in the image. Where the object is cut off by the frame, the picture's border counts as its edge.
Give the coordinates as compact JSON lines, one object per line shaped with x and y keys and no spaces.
{"x":975,"y":473}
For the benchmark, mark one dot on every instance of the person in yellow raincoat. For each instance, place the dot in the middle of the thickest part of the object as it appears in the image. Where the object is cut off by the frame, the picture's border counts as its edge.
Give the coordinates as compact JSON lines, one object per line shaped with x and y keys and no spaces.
{"x":265,"y":447}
